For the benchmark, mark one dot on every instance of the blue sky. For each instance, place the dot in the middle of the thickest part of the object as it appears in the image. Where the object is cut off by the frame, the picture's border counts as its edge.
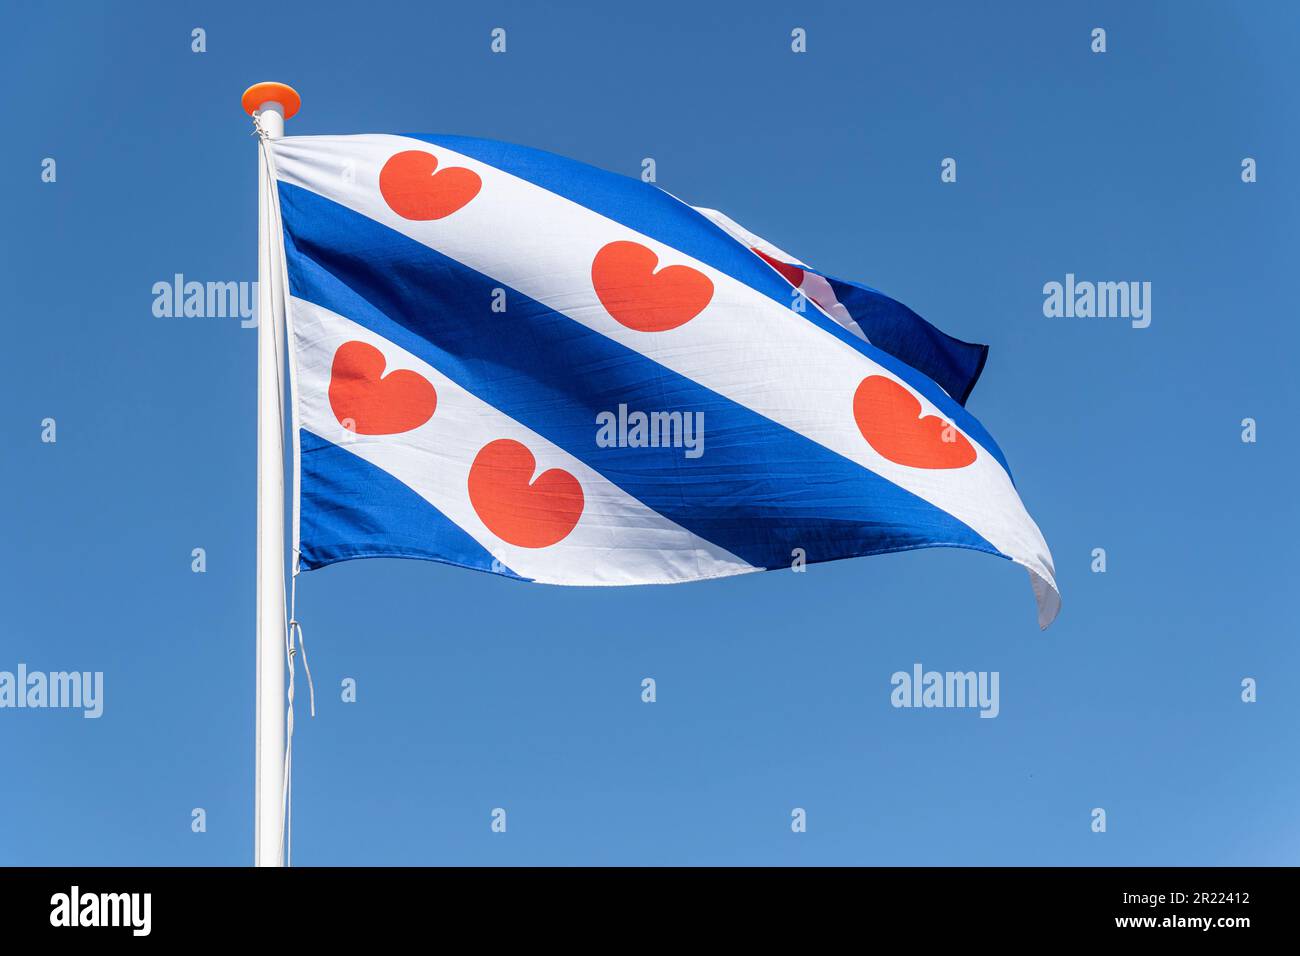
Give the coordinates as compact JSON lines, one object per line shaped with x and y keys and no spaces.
{"x":476,"y":692}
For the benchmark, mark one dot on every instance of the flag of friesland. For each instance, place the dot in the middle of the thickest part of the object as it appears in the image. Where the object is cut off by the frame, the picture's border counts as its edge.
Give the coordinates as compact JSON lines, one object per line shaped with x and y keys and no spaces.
{"x":506,"y":360}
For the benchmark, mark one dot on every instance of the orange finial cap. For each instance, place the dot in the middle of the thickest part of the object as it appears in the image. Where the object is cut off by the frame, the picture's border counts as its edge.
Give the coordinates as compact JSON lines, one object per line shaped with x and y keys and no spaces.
{"x":281,"y":93}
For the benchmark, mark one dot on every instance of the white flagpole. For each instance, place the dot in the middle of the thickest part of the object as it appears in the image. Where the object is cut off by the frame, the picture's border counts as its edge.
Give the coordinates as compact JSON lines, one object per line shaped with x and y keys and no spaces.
{"x":273,"y":102}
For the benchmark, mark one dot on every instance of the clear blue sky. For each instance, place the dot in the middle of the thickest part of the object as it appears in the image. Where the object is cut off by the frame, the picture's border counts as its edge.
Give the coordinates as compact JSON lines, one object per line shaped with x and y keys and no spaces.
{"x":478,"y":692}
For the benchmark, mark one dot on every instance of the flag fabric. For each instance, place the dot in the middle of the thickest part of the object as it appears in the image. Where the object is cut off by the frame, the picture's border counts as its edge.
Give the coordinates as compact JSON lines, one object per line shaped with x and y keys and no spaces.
{"x":872,"y":316}
{"x":505,"y":360}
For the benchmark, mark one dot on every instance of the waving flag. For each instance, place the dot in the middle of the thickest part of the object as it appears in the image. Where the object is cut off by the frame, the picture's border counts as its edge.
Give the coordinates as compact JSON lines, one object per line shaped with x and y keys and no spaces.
{"x":505,"y":360}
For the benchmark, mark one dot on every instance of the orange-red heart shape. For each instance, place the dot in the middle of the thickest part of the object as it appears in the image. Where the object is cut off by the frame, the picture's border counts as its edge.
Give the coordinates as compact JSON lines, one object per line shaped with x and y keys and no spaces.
{"x":368,"y":402}
{"x":517,"y":509}
{"x":889,"y":417}
{"x":623,"y":275}
{"x":414,"y":191}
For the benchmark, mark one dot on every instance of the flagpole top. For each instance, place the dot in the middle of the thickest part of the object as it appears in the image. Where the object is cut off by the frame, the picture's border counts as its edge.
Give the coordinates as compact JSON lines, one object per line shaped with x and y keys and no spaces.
{"x":282,"y":93}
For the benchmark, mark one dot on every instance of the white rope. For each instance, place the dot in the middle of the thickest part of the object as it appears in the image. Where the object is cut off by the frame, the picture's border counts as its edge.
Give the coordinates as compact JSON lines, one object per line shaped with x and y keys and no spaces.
{"x":258,"y":130}
{"x":293,"y":635}
{"x":302,"y":641}
{"x":291,"y":647}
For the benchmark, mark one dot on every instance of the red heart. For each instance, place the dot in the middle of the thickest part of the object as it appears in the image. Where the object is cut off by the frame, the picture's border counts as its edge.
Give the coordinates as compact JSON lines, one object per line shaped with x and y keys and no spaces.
{"x":623,"y":275}
{"x":889,"y":417}
{"x":368,"y":402}
{"x":517,"y":509}
{"x":414,"y":191}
